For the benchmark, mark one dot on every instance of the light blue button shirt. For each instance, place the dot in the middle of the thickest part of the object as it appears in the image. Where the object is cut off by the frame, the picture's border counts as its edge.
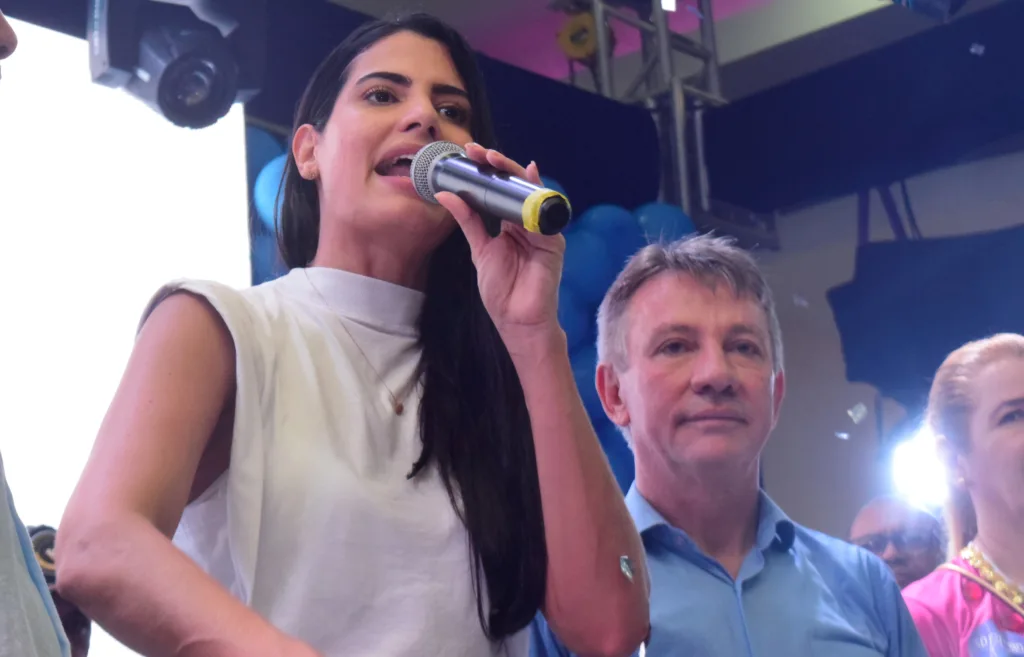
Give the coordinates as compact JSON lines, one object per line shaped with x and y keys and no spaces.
{"x":799,"y":593}
{"x":29,"y":624}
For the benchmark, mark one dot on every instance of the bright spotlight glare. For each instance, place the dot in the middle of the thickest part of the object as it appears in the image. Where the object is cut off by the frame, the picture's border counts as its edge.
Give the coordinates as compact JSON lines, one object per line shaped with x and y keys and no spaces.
{"x":668,"y":5}
{"x":918,"y":474}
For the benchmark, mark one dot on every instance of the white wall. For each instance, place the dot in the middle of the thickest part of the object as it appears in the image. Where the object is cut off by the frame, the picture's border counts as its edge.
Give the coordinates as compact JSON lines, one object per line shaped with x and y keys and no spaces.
{"x":787,"y":39}
{"x":780,"y":21}
{"x":101,"y":202}
{"x":819,"y":479}
{"x":753,"y":32}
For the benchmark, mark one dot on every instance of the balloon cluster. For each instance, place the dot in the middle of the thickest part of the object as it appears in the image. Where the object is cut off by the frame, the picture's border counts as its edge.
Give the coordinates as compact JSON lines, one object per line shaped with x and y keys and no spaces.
{"x":597,"y":246}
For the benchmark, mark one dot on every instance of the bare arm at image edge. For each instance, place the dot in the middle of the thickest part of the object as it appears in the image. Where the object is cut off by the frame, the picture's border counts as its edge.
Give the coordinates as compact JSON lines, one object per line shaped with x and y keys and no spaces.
{"x":166,"y":436}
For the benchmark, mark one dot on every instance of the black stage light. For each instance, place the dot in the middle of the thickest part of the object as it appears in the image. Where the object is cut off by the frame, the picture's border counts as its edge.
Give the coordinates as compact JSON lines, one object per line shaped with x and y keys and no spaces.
{"x":189,"y":60}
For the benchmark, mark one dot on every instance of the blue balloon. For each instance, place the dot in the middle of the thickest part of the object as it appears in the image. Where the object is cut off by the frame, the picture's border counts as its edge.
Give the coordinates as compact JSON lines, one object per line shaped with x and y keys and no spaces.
{"x":619,"y":454}
{"x":588,"y":267}
{"x":265,"y":191}
{"x":551,"y":183}
{"x":260,"y":148}
{"x":618,"y":227}
{"x":663,"y":222}
{"x":266,"y":260}
{"x":577,"y":318}
{"x":584,"y":369}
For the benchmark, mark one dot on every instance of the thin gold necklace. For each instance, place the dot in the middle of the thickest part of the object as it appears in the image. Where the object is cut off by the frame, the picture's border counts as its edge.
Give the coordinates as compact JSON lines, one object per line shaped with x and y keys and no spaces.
{"x":1011,"y":590}
{"x":396,"y":404}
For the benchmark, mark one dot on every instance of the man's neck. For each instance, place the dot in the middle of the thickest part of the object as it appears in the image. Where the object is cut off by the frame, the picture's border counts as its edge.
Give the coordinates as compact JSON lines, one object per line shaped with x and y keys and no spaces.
{"x":1001,"y":538}
{"x":719,"y":513}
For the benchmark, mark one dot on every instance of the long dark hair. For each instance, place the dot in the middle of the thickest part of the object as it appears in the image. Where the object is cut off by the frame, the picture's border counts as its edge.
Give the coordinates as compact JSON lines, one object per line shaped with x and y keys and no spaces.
{"x":473,"y":419}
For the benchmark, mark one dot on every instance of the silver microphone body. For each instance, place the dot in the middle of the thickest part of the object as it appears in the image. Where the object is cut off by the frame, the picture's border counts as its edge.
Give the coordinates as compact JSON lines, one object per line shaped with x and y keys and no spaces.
{"x":443,"y":167}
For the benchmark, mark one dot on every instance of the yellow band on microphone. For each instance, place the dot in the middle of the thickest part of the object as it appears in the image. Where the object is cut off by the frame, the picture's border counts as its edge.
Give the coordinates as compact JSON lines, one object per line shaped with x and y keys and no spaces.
{"x":532,"y":205}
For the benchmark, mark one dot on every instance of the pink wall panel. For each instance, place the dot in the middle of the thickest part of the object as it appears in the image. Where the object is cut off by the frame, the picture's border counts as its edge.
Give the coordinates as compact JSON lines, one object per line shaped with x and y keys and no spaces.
{"x":529,"y":42}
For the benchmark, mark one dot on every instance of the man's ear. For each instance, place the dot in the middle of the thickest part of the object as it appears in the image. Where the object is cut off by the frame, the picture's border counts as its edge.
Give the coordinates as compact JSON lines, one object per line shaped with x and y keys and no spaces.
{"x":304,"y":151}
{"x":778,"y":393}
{"x":608,"y":389}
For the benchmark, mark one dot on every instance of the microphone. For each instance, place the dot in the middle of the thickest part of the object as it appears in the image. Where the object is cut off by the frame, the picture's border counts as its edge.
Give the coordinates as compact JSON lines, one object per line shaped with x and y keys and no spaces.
{"x":442,"y":166}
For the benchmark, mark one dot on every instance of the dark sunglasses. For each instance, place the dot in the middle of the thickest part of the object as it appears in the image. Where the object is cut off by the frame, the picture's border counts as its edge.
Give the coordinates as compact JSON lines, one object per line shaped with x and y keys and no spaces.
{"x":908,"y":540}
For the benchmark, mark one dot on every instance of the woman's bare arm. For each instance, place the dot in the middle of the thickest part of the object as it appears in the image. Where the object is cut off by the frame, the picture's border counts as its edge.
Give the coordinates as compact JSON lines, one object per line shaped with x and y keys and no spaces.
{"x":590,"y":602}
{"x":165,"y":438}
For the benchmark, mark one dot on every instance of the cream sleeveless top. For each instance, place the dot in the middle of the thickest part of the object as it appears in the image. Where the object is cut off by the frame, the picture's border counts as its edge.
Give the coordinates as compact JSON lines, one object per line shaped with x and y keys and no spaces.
{"x":315,"y":524}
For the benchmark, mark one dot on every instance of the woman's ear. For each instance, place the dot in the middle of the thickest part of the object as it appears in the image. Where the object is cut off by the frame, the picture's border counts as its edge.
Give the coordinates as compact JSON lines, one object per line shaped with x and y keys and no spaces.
{"x":304,"y":151}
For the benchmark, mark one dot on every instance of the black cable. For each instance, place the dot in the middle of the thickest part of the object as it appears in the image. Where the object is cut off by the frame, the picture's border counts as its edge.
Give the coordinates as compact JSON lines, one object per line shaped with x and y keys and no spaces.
{"x":911,"y":218}
{"x":895,"y":220}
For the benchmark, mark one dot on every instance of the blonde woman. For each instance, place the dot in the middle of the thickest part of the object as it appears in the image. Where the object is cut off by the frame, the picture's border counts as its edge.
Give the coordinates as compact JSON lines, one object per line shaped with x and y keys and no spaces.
{"x":974,"y":604}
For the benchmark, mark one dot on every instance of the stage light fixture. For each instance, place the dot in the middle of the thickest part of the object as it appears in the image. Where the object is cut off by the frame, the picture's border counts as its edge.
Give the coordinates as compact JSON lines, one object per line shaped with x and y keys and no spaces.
{"x":189,"y":60}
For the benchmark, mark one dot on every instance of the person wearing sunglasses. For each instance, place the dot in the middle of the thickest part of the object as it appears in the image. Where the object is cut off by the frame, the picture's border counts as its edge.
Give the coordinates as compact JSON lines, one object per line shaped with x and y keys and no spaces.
{"x":908,"y":539}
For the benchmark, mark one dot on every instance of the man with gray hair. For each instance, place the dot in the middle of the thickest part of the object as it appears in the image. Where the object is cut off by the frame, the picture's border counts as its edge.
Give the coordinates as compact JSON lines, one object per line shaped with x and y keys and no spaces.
{"x":690,"y":369}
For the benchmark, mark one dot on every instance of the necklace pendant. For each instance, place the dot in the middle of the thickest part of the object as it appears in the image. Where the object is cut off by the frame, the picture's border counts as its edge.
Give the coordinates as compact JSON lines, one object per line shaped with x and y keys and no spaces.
{"x":399,"y":407}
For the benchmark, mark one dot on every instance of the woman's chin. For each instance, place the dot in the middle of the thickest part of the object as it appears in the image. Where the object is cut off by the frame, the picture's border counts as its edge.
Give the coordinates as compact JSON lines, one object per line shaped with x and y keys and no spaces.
{"x":413,"y":215}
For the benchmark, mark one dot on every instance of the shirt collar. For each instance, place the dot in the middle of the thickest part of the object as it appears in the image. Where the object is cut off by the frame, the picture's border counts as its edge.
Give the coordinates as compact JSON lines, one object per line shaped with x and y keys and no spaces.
{"x":773,"y":525}
{"x":774,"y":528}
{"x":644,"y":515}
{"x":370,"y":301}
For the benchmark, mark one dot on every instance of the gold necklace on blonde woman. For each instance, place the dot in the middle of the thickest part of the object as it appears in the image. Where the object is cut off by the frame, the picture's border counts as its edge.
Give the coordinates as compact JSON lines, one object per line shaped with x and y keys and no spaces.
{"x":1004,"y":587}
{"x":397,"y":404}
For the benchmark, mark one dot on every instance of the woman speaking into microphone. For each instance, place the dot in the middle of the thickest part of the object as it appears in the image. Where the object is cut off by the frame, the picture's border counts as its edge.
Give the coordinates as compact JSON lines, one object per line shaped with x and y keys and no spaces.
{"x":381,"y":453}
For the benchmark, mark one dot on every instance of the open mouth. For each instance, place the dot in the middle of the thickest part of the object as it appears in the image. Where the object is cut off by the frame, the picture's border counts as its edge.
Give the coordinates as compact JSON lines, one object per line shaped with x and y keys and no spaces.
{"x":399,"y":167}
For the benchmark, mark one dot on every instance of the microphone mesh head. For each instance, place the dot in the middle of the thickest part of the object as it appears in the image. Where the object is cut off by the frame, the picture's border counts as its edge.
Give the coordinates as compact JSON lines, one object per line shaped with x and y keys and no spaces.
{"x":423,"y":161}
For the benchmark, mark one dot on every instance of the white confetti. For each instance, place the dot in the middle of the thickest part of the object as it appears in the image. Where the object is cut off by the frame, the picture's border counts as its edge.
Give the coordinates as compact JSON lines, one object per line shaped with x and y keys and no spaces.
{"x":842,"y":435}
{"x":800,"y":302}
{"x":977,"y":49}
{"x":858,"y":413}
